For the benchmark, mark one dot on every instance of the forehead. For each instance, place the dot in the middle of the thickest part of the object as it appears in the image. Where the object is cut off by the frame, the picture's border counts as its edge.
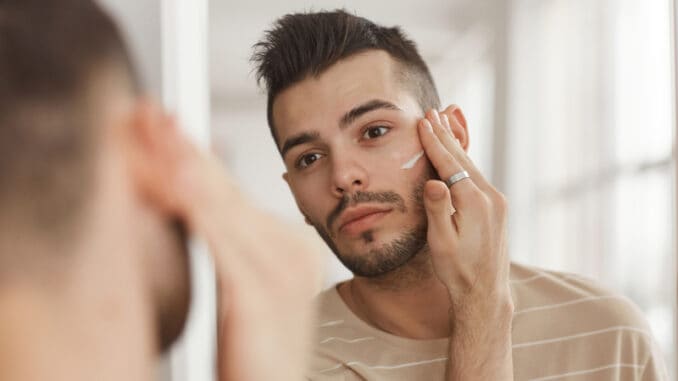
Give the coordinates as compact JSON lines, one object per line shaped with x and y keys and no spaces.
{"x":350,"y":82}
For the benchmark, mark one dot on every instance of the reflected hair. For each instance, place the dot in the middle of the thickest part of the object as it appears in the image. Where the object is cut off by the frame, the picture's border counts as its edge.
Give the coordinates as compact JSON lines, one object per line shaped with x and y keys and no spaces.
{"x":51,"y":54}
{"x":300,"y":45}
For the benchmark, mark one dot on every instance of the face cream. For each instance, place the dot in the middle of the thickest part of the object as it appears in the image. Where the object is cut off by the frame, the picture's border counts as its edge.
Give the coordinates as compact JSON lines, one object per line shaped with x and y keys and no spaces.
{"x":410,"y":163}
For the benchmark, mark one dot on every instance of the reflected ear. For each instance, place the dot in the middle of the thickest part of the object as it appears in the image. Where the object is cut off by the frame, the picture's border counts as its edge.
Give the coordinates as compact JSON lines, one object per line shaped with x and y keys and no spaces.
{"x":458,"y":125}
{"x":149,"y":139}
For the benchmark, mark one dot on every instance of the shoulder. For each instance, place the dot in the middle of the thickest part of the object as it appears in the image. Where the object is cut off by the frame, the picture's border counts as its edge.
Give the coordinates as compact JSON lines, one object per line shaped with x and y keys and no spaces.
{"x":571,"y":296}
{"x":581,"y":320}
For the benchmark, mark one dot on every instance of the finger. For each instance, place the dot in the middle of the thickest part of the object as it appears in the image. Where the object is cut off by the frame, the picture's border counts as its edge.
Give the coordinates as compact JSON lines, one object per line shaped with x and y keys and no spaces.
{"x":446,"y":165}
{"x":444,"y":132}
{"x":446,"y":123}
{"x":433,"y":116}
{"x":442,"y":233}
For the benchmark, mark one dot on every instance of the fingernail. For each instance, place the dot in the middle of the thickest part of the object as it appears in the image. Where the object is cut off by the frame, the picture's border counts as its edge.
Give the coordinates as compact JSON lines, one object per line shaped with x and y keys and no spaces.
{"x":436,"y":115}
{"x":446,"y":122}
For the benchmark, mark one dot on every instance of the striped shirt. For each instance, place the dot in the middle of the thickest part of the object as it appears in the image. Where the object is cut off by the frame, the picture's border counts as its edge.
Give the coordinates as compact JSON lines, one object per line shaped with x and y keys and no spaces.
{"x":565,"y":327}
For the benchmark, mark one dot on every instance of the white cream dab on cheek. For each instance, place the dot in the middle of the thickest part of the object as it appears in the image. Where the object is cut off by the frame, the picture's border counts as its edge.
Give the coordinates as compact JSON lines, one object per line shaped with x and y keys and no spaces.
{"x":410,"y":163}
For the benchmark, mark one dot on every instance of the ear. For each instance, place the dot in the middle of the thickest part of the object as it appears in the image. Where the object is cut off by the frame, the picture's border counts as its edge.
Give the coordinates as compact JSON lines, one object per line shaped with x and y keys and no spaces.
{"x":286,"y":177}
{"x":458,"y":125}
{"x":149,"y":140}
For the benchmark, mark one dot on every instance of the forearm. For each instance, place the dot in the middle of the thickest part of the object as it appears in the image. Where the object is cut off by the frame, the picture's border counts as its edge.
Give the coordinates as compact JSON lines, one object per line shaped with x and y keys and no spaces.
{"x":480,"y":348}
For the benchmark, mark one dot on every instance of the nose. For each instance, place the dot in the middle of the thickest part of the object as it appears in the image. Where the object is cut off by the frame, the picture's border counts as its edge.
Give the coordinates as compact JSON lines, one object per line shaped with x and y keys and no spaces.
{"x":348,"y":176}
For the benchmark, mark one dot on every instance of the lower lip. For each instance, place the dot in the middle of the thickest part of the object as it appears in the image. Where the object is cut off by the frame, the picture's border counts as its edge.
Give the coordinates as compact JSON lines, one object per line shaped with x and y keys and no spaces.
{"x":361,"y":224}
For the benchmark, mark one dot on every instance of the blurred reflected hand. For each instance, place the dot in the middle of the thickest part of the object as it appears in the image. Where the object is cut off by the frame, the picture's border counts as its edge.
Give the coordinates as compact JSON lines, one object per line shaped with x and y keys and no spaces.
{"x":267,"y":276}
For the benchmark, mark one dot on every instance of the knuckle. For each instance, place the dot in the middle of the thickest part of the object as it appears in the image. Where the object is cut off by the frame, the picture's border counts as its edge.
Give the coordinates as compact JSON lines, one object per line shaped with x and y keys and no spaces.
{"x":499,"y":200}
{"x":479,"y":198}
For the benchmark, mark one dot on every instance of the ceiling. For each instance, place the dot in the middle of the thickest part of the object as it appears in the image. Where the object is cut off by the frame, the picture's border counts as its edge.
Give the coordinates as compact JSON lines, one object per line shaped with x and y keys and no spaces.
{"x":236,"y":25}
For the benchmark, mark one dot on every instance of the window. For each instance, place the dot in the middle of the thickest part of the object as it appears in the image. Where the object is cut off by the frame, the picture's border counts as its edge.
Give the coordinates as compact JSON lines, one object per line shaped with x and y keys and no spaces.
{"x":590,"y":147}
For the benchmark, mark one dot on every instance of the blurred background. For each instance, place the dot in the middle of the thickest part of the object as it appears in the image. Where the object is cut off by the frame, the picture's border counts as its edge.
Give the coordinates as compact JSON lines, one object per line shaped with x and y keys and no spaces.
{"x":570,"y":106}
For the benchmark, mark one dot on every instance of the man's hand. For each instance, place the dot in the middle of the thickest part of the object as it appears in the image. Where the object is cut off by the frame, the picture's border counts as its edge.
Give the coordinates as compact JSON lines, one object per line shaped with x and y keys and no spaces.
{"x":266,"y":275}
{"x":469,"y":253}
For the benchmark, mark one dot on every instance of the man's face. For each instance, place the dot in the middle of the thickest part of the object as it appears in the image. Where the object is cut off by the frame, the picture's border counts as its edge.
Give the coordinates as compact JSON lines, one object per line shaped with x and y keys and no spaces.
{"x":345,"y":137}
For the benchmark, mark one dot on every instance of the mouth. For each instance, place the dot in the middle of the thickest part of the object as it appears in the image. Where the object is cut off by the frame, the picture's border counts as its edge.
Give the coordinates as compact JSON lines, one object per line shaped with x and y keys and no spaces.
{"x":356,"y":220}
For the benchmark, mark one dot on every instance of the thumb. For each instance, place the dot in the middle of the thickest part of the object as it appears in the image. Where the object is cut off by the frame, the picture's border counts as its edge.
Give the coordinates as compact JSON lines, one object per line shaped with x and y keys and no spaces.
{"x":441,"y":231}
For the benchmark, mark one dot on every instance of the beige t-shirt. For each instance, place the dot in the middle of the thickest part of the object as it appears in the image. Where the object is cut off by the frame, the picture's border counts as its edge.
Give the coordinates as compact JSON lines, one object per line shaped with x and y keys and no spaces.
{"x":564,"y":328}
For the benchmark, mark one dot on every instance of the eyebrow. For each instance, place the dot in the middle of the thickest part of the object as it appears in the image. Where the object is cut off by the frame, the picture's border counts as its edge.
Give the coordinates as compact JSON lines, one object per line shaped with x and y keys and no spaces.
{"x":302,"y":138}
{"x":358,"y":111}
{"x":345,"y":120}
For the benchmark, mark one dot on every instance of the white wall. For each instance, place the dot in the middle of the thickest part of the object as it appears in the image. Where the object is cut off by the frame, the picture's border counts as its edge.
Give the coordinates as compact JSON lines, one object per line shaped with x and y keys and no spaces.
{"x":140,"y":23}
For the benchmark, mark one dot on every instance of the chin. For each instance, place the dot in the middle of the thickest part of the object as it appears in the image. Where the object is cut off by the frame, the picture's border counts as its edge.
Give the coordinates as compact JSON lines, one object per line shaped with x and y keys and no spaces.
{"x":371,"y":239}
{"x":383,"y":253}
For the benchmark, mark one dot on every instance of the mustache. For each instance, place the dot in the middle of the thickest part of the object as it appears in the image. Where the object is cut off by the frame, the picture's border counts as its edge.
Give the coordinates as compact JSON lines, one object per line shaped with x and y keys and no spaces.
{"x":359,"y":197}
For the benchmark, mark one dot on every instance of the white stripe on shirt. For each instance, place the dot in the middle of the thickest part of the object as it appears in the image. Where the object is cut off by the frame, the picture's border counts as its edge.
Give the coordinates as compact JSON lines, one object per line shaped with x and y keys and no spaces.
{"x":348,"y":341}
{"x":331,"y":323}
{"x":579,"y":335}
{"x":586,"y":371}
{"x":568,"y":303}
{"x":397,"y":366}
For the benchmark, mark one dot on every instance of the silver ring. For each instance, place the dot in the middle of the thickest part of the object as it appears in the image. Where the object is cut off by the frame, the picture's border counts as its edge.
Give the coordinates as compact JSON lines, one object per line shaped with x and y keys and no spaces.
{"x":456,"y":178}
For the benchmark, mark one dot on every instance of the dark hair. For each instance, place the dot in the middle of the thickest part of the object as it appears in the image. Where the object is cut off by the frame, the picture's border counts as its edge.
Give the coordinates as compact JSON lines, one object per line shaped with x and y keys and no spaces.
{"x":51,"y":52}
{"x":306,"y":44}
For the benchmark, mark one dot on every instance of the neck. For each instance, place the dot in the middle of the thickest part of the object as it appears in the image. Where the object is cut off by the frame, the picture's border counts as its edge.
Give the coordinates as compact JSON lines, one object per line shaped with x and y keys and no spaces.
{"x":92,"y":321}
{"x":408,"y":302}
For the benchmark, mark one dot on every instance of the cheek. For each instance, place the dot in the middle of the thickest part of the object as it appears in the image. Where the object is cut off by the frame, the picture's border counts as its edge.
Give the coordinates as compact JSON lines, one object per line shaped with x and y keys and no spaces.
{"x":398,"y":157}
{"x":310,"y":200}
{"x":400,"y":172}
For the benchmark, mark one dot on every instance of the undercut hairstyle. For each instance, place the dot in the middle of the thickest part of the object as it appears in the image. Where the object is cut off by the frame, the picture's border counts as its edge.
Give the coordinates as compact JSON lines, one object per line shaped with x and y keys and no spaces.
{"x":300,"y":45}
{"x":51,"y":54}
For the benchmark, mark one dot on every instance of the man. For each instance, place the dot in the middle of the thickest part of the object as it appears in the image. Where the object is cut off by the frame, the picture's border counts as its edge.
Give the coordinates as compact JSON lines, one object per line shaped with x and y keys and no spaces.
{"x":96,"y":186}
{"x":353,"y":110}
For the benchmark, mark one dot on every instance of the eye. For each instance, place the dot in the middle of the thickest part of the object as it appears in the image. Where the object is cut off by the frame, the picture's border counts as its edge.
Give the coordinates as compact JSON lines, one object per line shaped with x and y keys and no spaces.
{"x":307,"y":160}
{"x":375,"y":132}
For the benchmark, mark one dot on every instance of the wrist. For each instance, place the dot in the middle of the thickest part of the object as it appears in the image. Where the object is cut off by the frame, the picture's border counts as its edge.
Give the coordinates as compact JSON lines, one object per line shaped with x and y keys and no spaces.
{"x":487,"y":309}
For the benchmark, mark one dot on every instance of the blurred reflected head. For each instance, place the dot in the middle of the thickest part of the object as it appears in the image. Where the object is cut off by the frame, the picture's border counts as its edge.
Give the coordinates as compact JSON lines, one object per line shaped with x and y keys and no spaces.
{"x":71,"y":124}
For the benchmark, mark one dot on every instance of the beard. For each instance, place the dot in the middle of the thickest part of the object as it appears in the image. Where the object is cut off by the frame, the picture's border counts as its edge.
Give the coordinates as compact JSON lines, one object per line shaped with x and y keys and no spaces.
{"x":377,"y":262}
{"x":383,"y":260}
